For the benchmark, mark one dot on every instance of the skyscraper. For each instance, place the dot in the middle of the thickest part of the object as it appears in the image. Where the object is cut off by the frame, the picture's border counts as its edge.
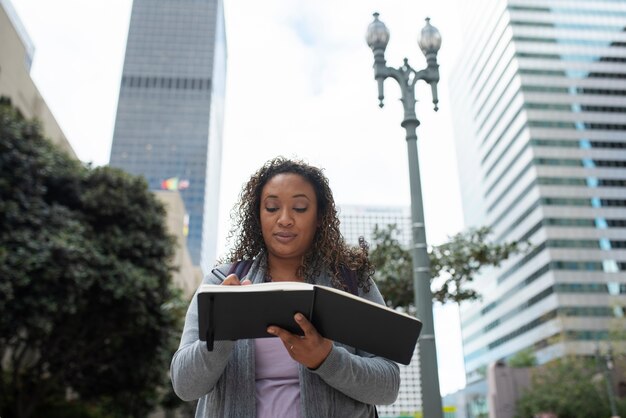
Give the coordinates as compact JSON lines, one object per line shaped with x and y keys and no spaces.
{"x":360,"y":221}
{"x":171,"y":105}
{"x":539,"y":103}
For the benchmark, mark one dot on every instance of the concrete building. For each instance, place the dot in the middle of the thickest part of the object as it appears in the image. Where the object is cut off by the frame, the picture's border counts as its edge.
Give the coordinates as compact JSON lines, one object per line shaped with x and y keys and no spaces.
{"x":170,"y":111}
{"x":16,"y":57}
{"x":409,"y":402}
{"x":360,"y":221}
{"x":539,"y":104}
{"x":188,"y":276}
{"x":505,"y":386}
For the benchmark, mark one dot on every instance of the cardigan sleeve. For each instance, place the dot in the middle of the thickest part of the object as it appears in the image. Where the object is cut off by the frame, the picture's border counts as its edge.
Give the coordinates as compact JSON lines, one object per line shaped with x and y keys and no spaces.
{"x":362,"y":376}
{"x":194,"y":370}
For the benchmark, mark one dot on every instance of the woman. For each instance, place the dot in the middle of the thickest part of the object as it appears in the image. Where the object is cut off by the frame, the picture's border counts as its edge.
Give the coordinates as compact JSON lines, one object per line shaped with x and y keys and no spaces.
{"x":286,"y":222}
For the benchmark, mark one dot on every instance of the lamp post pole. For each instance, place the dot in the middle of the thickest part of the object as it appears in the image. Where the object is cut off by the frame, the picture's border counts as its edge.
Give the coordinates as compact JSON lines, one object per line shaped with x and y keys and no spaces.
{"x":429,"y":42}
{"x":606,"y":366}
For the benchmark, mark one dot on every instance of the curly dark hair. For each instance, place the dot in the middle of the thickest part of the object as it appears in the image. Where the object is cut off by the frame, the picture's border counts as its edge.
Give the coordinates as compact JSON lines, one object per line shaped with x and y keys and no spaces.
{"x":328,"y":250}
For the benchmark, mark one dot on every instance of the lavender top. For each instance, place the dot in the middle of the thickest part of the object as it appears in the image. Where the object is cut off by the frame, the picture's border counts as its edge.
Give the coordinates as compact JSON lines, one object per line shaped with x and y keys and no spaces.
{"x":276,"y":380}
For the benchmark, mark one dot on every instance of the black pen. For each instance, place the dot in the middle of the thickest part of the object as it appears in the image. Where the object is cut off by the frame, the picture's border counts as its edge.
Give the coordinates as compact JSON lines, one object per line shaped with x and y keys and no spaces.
{"x":218,"y":273}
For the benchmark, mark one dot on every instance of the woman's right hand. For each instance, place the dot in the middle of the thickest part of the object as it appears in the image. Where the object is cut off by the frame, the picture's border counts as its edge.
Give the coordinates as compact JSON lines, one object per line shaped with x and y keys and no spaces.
{"x":233,"y":280}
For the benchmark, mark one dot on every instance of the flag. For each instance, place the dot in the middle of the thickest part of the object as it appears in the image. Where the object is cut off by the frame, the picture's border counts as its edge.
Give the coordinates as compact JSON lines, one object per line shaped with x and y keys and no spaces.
{"x":170,"y":184}
{"x":183,"y":184}
{"x":173,"y":183}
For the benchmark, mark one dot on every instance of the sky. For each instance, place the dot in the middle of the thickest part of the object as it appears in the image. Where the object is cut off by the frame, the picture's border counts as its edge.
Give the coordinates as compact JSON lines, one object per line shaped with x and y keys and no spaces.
{"x":299,"y":84}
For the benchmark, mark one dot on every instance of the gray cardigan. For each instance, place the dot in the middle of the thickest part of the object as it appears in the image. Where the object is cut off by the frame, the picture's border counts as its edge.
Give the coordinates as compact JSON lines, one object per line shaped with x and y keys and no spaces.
{"x":348,"y":383}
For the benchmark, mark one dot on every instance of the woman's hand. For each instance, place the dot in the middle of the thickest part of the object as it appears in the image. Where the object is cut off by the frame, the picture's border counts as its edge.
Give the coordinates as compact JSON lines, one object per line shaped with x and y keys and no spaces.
{"x":233,"y":280}
{"x":311,"y":349}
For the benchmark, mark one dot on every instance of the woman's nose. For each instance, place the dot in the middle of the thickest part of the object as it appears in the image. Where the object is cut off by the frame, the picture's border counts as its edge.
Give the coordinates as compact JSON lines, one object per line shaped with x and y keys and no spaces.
{"x":285,"y":218}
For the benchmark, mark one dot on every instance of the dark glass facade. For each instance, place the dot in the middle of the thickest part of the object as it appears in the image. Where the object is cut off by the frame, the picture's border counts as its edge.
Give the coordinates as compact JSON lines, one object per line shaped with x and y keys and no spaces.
{"x":170,"y":110}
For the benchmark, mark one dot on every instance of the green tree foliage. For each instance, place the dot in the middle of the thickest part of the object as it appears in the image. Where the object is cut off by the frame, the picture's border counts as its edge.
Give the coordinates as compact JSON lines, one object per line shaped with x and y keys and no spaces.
{"x":457,"y":262}
{"x":570,"y":387}
{"x":86,"y":305}
{"x":523,"y":358}
{"x":394,"y":275}
{"x":462,"y":257}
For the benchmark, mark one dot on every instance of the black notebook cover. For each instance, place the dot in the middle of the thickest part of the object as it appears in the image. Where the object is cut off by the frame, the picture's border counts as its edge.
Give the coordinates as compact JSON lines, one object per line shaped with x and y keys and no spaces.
{"x":238,"y":312}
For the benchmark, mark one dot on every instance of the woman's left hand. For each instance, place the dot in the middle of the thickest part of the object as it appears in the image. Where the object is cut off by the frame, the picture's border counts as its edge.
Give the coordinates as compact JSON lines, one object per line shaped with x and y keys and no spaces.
{"x":311,"y":349}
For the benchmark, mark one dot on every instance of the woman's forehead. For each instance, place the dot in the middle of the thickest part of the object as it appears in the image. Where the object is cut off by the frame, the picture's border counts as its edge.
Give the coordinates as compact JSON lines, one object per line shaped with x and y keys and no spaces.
{"x":288,"y":183}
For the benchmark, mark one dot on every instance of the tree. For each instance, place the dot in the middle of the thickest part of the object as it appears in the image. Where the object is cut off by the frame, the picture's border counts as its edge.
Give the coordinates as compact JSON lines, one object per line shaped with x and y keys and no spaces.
{"x":457,"y":261}
{"x":462,"y":257}
{"x":86,"y":304}
{"x":394,"y":274}
{"x":523,"y":358}
{"x":577,"y":385}
{"x":568,"y":387}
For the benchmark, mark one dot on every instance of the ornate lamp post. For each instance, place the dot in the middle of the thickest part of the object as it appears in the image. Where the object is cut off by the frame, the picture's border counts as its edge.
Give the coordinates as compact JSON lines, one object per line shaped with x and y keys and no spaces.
{"x":429,"y":42}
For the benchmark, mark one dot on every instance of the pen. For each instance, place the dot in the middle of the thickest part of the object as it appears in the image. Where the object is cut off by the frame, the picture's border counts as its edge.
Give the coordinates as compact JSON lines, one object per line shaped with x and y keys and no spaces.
{"x":218,"y":273}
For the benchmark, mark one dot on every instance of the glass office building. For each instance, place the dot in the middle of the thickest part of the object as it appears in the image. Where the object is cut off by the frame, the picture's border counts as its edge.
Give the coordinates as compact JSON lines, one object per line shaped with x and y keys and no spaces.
{"x":171,"y":108}
{"x":539,"y":102}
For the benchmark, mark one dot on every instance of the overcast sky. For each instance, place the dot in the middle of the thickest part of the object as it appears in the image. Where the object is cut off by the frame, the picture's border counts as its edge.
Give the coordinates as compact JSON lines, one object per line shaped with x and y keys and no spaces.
{"x":299,"y":84}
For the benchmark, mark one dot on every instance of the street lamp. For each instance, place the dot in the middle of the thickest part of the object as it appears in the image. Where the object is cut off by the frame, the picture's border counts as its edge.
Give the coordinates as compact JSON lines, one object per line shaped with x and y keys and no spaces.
{"x":429,"y":42}
{"x":606,"y":367}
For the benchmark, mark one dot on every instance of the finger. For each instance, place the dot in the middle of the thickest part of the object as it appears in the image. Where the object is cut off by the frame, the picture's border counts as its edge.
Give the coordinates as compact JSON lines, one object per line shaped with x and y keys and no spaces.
{"x":231,"y":280}
{"x":305,"y":325}
{"x":283,"y":334}
{"x":288,"y":339}
{"x":246,"y":282}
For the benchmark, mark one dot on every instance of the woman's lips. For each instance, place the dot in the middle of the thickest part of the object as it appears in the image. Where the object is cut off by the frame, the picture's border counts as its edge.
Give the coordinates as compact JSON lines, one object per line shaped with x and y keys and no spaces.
{"x":284,"y":237}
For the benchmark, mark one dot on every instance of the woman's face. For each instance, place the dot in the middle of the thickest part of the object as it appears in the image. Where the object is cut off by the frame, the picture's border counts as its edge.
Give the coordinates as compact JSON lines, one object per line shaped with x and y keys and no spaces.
{"x":288,"y":216}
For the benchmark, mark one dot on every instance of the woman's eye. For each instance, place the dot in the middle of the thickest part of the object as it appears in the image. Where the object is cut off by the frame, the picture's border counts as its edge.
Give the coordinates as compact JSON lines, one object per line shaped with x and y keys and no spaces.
{"x":271,"y":210}
{"x":300,"y":210}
